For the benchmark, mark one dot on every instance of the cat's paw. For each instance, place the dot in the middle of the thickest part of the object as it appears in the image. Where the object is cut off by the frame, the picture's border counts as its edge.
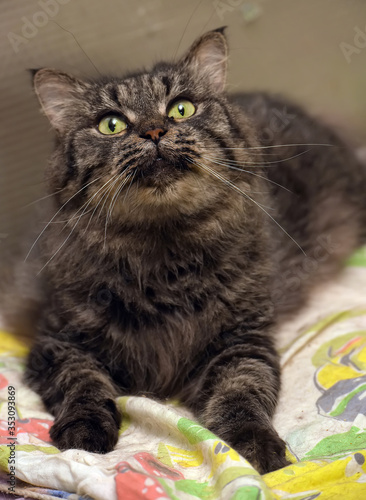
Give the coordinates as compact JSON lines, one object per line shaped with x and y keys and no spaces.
{"x":262,"y":447}
{"x":93,"y":429}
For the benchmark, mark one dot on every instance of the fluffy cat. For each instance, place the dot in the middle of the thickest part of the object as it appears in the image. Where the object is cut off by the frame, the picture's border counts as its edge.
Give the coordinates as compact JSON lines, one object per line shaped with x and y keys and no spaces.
{"x":179,"y":236}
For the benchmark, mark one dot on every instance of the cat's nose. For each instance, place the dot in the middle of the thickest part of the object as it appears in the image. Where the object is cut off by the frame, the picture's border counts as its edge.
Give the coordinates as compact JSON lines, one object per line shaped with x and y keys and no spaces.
{"x":154,"y":135}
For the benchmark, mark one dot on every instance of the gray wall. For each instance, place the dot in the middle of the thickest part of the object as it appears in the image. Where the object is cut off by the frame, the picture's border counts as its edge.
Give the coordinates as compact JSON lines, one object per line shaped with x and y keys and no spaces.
{"x":307,"y":49}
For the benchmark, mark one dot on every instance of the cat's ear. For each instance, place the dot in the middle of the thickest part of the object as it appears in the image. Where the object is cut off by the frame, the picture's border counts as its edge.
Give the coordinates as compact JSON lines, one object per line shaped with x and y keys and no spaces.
{"x":208,"y":57}
{"x":60,"y":95}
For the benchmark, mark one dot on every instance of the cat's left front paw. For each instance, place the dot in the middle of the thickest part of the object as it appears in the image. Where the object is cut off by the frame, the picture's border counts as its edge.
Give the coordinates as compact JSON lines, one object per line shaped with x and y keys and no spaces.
{"x":262,"y":447}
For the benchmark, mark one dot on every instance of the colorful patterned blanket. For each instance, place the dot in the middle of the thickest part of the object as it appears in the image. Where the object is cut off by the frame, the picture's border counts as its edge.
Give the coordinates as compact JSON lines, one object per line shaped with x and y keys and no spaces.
{"x":164,"y":454}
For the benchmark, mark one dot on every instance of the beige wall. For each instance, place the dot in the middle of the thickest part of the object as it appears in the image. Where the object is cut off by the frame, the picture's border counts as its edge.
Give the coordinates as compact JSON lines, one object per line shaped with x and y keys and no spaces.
{"x":296,"y":47}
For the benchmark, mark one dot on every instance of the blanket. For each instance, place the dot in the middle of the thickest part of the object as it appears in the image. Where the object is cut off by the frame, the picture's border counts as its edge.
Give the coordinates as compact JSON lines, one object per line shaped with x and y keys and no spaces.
{"x":163,"y":453}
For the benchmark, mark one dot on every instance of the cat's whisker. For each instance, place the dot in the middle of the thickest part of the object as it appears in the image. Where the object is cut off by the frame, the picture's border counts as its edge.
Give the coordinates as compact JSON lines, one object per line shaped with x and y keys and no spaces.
{"x":60,"y":247}
{"x":73,"y":228}
{"x":277,"y":146}
{"x":249,"y":172}
{"x":68,"y":220}
{"x":228,"y":182}
{"x":261,"y":177}
{"x":75,"y":216}
{"x":114,"y":199}
{"x":86,"y":204}
{"x":115,"y":196}
{"x":58,"y":211}
{"x":128,"y":189}
{"x":130,"y":176}
{"x":137,"y":188}
{"x":77,"y":42}
{"x":219,"y":177}
{"x":107,"y":190}
{"x":265,"y":163}
{"x":252,"y":152}
{"x":43,"y":198}
{"x":243,"y":163}
{"x":185,"y":29}
{"x":235,"y":188}
{"x":113,"y":202}
{"x":104,"y":195}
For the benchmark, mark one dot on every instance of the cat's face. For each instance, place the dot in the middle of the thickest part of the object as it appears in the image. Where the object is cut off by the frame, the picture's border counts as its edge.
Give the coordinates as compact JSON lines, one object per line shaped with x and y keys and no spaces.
{"x":150,"y":145}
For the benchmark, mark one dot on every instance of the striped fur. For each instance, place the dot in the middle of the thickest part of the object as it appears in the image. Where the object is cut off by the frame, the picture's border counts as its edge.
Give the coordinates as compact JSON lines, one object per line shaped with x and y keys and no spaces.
{"x":166,"y":280}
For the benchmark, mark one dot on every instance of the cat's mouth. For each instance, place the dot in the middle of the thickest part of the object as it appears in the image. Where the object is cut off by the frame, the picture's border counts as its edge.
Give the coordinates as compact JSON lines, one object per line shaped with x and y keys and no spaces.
{"x":160,"y":171}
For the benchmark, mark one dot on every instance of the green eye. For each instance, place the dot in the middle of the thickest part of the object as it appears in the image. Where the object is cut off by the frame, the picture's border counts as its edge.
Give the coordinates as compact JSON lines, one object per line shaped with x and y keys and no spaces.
{"x":111,"y":124}
{"x":181,"y":109}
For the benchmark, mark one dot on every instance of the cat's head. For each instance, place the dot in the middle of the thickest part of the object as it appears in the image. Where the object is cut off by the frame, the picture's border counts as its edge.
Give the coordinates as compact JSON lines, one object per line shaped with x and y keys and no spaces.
{"x":152,"y":145}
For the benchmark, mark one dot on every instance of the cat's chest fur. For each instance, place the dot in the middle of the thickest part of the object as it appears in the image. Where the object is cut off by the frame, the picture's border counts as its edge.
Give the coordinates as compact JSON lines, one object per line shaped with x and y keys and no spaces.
{"x":153,"y":315}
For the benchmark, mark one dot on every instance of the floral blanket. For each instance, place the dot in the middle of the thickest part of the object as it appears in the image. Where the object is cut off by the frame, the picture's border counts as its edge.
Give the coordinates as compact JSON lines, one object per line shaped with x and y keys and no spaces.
{"x":164,"y":454}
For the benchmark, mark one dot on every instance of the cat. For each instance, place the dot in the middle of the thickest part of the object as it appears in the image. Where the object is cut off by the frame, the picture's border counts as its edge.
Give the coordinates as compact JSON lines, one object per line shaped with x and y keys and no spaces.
{"x":178,"y":240}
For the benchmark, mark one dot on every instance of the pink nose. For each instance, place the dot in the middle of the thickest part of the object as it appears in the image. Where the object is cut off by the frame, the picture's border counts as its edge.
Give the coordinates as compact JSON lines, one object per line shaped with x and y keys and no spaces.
{"x":155,"y":134}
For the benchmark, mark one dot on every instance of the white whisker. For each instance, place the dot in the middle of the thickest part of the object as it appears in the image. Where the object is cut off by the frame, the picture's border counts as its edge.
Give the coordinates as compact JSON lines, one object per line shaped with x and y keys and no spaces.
{"x":107,"y":191}
{"x":43,"y":198}
{"x":265,"y":163}
{"x":277,"y":146}
{"x":235,"y":188}
{"x":73,"y":228}
{"x":112,"y":204}
{"x":58,"y":211}
{"x":249,"y":172}
{"x":86,"y":204}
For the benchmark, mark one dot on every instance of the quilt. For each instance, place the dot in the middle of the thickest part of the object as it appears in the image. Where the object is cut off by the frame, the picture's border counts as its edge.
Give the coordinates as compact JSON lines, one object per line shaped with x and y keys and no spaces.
{"x":163,"y":453}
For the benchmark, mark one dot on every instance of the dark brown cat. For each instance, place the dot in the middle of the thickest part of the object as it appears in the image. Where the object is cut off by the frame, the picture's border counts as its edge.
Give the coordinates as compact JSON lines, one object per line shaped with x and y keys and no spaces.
{"x":180,"y":234}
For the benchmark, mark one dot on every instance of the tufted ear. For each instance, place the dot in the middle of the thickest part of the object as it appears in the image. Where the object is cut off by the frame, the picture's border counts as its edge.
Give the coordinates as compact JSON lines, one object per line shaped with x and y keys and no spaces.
{"x":59,"y":94}
{"x":208,"y":57}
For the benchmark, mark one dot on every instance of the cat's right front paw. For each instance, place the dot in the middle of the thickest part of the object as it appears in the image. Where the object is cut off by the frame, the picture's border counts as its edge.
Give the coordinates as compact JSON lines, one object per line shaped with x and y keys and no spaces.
{"x":85,"y":428}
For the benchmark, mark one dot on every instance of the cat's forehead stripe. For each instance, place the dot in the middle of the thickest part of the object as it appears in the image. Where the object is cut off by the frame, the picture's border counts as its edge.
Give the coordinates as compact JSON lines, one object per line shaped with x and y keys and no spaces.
{"x":145,"y":93}
{"x":145,"y":88}
{"x":167,"y":84}
{"x":110,"y":95}
{"x":123,"y":92}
